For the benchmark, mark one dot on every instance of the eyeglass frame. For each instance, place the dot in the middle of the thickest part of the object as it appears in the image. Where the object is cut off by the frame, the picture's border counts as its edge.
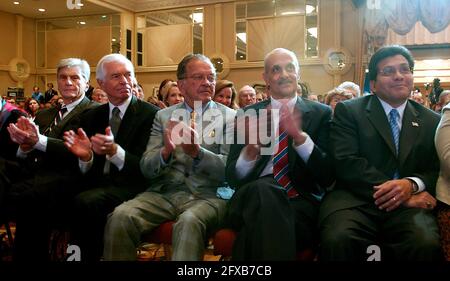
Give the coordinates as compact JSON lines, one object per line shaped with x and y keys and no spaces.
{"x":406,"y":70}
{"x":211,"y":78}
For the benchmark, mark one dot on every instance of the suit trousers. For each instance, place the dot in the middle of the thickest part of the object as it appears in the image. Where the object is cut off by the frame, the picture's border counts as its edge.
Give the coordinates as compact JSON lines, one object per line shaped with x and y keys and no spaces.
{"x":270,"y":225}
{"x":195,"y":218}
{"x":402,"y":234}
{"x":91,"y":208}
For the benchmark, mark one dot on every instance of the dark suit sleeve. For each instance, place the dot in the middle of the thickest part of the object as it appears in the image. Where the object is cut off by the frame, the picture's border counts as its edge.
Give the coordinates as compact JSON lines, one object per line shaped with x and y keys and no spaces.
{"x":352,"y":169}
{"x":320,"y":164}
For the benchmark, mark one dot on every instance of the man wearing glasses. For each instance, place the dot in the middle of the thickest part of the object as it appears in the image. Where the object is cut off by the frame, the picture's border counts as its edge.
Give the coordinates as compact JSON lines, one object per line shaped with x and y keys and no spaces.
{"x":381,"y":207}
{"x":185,"y":162}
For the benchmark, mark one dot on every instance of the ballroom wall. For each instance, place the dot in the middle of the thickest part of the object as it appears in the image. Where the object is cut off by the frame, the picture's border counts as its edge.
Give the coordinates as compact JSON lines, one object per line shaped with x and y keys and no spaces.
{"x":338,"y":27}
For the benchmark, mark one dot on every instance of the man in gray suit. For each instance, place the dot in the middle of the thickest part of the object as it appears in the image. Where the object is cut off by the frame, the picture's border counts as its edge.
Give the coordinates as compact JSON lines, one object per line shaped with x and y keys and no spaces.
{"x":186,"y":163}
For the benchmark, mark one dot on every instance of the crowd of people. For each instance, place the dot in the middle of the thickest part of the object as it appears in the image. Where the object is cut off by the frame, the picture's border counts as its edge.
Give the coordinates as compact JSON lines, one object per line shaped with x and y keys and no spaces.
{"x":338,"y":175}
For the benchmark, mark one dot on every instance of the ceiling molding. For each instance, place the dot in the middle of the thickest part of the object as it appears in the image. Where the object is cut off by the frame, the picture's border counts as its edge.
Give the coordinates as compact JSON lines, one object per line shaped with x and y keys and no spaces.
{"x":152,"y":5}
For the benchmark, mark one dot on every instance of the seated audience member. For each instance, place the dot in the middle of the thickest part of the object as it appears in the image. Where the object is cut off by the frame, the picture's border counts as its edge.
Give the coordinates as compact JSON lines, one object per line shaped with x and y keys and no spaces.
{"x":184,"y":175}
{"x":32,"y":107}
{"x":444,"y":99}
{"x":302,"y":90}
{"x":109,"y":145}
{"x":225,"y":93}
{"x":8,"y":114}
{"x":40,"y":191}
{"x":313,"y":97}
{"x":350,"y":87}
{"x":442,"y":141}
{"x":164,"y":82}
{"x":260,"y":90}
{"x":98,"y":95}
{"x":50,"y":93}
{"x":419,"y":98}
{"x":335,"y":96}
{"x":246,"y":96}
{"x":386,"y":171}
{"x":275,"y":206}
{"x":137,"y":90}
{"x":171,"y":94}
{"x":37,"y":95}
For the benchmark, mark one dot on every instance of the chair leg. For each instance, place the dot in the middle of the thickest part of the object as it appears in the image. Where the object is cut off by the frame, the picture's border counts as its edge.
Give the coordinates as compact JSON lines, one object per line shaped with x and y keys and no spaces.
{"x":9,"y":233}
{"x":167,"y":251}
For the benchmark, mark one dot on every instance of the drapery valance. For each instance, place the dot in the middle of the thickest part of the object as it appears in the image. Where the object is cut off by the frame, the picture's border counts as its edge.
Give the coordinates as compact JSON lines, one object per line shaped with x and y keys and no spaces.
{"x":402,"y":15}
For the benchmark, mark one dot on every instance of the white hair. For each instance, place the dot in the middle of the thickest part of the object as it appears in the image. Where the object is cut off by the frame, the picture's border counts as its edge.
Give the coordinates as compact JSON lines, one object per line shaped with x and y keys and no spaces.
{"x":100,"y":71}
{"x":351,"y":86}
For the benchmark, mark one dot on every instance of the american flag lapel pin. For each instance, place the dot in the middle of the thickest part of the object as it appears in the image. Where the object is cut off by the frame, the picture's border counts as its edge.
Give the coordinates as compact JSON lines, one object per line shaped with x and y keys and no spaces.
{"x":415,"y":124}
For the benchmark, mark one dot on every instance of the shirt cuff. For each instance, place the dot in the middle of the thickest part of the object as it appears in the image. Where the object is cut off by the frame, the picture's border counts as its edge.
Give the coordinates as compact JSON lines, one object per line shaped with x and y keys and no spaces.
{"x":118,"y":159}
{"x":85,"y":166}
{"x":304,"y":150}
{"x":419,"y":182}
{"x":22,"y":154}
{"x":42,"y":143}
{"x":243,"y":167}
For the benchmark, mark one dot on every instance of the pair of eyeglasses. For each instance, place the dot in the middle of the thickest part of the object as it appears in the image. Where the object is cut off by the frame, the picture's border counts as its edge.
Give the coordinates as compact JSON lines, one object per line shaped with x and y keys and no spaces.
{"x":391,"y":70}
{"x":199,"y":77}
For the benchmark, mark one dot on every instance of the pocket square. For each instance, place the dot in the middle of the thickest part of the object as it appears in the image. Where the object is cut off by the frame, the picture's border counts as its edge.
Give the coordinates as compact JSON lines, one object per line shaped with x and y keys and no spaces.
{"x":415,"y":124}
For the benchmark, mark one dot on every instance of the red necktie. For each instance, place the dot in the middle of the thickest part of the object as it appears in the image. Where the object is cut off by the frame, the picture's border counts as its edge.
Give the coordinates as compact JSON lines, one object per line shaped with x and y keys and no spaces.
{"x":281,"y":164}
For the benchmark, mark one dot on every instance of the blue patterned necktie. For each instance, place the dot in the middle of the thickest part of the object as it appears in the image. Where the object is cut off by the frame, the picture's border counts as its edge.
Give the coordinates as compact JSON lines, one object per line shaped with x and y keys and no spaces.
{"x":393,"y":122}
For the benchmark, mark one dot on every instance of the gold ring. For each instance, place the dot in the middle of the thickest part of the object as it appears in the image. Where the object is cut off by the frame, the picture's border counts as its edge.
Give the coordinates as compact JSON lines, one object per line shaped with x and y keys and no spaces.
{"x":429,"y":205}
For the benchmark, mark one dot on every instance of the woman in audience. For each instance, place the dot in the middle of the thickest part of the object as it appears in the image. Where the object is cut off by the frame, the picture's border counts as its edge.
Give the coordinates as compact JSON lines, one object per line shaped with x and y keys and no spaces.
{"x":442,"y":141}
{"x":225,"y":94}
{"x":31,"y":107}
{"x":334,"y":96}
{"x":171,"y":94}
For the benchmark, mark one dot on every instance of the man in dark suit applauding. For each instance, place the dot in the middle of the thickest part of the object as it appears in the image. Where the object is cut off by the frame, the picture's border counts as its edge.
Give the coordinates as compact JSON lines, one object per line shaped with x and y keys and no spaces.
{"x":387,"y":167}
{"x":278,"y":193}
{"x":109,"y":146}
{"x":47,"y":178}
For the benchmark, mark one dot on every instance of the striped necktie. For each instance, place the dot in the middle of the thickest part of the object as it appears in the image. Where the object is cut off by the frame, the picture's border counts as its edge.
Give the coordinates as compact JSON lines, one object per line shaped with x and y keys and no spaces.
{"x":281,"y":164}
{"x":59,"y":116}
{"x":393,"y":123}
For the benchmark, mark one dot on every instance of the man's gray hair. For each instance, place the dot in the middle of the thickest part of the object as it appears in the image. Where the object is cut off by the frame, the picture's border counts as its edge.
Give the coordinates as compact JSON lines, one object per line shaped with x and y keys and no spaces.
{"x":100,"y":71}
{"x":181,"y":70}
{"x":282,"y":51}
{"x":71,"y":62}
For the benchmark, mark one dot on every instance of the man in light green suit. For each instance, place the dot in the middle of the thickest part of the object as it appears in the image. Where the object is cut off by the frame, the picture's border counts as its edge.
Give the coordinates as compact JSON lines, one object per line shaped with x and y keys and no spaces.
{"x":185,"y":161}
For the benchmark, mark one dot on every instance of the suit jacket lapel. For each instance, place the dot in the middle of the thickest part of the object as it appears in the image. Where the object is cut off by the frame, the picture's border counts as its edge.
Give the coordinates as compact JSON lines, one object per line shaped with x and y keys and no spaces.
{"x":261,"y":164}
{"x":57,"y":130}
{"x":128,"y":120}
{"x":410,"y":130}
{"x":377,"y":117}
{"x":305,"y":111}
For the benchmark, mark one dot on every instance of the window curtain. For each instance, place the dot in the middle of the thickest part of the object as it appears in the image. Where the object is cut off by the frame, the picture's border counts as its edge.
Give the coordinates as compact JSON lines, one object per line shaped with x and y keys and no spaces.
{"x":402,"y":15}
{"x":168,"y":44}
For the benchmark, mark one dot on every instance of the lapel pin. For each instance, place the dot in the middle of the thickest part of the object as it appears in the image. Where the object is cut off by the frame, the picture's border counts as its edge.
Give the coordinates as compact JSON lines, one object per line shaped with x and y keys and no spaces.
{"x":414,"y":124}
{"x":212,"y":133}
